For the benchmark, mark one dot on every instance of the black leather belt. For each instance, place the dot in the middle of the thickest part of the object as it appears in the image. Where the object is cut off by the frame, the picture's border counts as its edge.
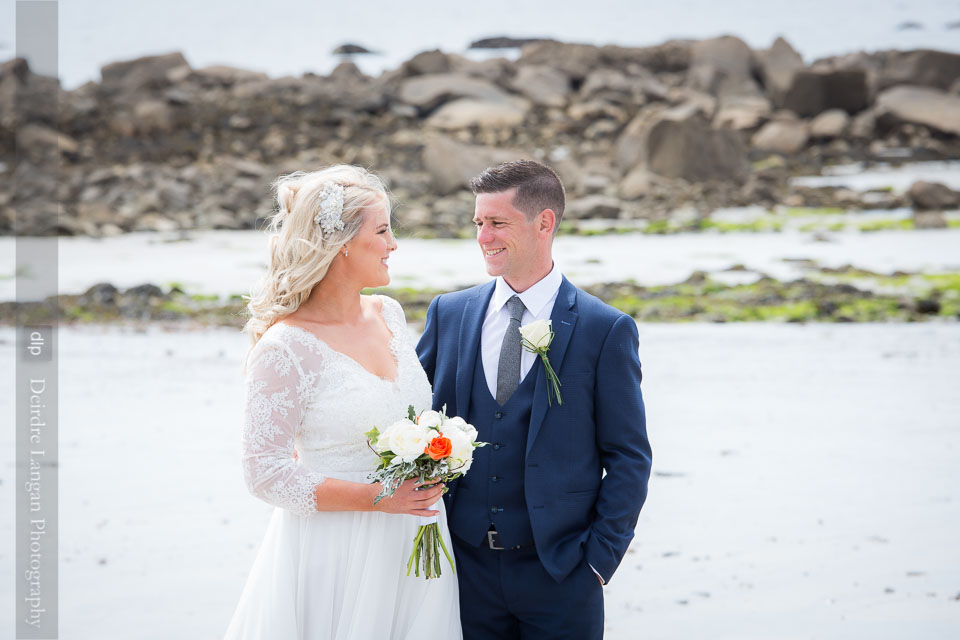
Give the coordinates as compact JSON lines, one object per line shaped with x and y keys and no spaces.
{"x":493,"y":541}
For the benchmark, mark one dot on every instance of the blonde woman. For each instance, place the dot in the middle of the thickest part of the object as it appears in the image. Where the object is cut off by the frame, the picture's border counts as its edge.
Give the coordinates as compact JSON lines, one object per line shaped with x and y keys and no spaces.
{"x":325,"y":365}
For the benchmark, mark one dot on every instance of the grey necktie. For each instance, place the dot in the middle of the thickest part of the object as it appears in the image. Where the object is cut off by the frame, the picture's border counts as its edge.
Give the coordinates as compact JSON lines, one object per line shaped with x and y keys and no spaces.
{"x":508,"y":370}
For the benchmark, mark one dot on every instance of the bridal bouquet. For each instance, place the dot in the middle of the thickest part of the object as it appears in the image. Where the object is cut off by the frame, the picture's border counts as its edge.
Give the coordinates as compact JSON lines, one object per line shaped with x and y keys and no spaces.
{"x":431,"y":447}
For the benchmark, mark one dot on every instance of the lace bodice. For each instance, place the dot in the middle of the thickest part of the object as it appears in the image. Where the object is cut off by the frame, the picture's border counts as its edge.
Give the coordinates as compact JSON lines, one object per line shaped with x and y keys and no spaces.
{"x":303,"y":396}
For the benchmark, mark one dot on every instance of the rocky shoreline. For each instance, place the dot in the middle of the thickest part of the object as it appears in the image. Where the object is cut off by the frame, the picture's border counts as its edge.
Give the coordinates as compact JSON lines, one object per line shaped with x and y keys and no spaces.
{"x":844,"y":294}
{"x":636,"y":133}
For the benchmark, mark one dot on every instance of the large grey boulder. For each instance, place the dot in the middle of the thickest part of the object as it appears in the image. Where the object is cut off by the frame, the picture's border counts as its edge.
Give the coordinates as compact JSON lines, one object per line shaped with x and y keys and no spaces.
{"x":722,"y":66}
{"x":614,"y":86}
{"x":919,"y":105}
{"x":929,"y":220}
{"x":863,"y":124}
{"x":704,"y":102}
{"x":429,"y":91}
{"x":574,"y":60}
{"x":484,"y":114}
{"x":830,"y":124}
{"x":215,"y":76}
{"x":632,"y":150}
{"x":542,"y":84}
{"x":592,"y":110}
{"x":814,"y":91}
{"x":638,"y":183}
{"x":777,"y":66}
{"x":592,"y":206}
{"x":932,"y":196}
{"x":452,"y":164}
{"x":148,"y":73}
{"x":427,"y":62}
{"x":498,"y":71}
{"x":742,"y":112}
{"x":922,"y":67}
{"x":679,"y":143}
{"x":578,"y":60}
{"x":347,"y":71}
{"x":782,"y":136}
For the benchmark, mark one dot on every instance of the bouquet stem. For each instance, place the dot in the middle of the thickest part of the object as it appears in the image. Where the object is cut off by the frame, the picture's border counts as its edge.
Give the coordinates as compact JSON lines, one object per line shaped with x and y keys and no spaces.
{"x":426,"y":552}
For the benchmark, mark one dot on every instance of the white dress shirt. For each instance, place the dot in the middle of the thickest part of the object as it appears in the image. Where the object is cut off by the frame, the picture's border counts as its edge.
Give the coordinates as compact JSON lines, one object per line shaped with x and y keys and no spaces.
{"x":538,"y":301}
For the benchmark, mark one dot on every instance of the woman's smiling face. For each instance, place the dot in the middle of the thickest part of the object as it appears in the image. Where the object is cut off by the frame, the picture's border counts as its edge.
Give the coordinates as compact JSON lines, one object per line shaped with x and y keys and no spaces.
{"x":371,"y":247}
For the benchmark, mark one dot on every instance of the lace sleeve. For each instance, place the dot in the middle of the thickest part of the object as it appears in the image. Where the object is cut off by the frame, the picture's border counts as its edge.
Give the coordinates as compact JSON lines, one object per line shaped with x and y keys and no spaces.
{"x":277,"y":392}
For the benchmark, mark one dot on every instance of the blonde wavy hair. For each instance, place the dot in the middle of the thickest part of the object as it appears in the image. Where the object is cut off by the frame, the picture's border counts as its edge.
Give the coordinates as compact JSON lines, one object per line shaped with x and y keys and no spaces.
{"x":300,"y":253}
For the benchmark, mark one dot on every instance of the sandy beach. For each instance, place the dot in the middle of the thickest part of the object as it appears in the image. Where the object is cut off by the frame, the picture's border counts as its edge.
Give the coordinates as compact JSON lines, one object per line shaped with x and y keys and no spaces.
{"x":805,"y":484}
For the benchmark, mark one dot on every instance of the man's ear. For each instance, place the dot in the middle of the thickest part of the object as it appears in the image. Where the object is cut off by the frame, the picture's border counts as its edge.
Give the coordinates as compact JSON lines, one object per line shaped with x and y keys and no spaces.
{"x":548,"y":220}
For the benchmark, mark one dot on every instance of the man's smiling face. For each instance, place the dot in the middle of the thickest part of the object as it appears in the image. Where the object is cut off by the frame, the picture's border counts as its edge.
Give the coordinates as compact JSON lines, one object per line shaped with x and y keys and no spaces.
{"x":505,"y":235}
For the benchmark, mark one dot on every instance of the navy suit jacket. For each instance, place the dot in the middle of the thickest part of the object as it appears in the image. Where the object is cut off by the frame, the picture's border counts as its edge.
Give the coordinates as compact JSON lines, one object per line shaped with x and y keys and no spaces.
{"x":577,"y":513}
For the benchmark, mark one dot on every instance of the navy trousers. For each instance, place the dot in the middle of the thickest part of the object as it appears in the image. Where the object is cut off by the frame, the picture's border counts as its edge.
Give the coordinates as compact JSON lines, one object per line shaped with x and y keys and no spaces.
{"x":507,"y":595}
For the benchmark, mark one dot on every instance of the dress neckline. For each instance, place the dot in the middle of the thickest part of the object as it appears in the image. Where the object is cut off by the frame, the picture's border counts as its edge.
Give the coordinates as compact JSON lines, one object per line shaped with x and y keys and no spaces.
{"x":392,"y":345}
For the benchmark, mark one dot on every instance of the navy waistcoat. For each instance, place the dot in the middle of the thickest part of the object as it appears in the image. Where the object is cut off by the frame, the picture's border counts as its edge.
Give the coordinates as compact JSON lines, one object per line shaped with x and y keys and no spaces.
{"x":492,"y":492}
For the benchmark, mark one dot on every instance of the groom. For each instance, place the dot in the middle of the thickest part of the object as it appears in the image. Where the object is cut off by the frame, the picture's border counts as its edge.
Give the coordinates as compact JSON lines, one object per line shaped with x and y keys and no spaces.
{"x":537,"y":527}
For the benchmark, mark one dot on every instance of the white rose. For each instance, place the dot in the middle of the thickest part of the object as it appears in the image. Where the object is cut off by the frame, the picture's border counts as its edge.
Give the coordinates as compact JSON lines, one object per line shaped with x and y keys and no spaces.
{"x":405,"y":439}
{"x":430,"y":419}
{"x":461,"y":453}
{"x":538,"y":333}
{"x":383,"y":440}
{"x":462,"y":425}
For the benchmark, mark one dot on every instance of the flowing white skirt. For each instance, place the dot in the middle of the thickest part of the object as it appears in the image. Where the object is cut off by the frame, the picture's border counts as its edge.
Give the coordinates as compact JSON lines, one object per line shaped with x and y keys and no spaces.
{"x":342,"y":576}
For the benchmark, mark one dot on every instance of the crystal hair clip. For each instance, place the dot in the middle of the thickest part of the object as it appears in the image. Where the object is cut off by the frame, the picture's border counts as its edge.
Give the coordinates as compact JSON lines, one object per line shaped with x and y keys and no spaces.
{"x":331,"y":207}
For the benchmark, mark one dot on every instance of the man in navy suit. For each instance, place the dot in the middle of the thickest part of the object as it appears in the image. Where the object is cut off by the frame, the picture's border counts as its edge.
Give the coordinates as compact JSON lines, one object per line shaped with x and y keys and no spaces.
{"x":548,"y":509}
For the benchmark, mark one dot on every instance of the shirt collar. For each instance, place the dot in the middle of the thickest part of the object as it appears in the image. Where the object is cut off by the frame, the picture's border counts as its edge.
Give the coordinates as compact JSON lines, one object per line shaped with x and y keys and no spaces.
{"x":535,"y":298}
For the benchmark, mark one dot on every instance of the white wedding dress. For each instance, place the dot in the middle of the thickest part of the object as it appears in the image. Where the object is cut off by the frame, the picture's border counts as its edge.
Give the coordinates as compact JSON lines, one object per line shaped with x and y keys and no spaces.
{"x":332,"y":575}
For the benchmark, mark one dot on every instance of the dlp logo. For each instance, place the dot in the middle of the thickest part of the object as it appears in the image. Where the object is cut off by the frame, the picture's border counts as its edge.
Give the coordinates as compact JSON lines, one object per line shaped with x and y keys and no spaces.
{"x":38,"y":343}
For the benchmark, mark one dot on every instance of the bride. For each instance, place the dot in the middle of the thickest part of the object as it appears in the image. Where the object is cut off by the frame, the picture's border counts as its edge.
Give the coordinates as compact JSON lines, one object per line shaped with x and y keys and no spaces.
{"x":325,"y":366}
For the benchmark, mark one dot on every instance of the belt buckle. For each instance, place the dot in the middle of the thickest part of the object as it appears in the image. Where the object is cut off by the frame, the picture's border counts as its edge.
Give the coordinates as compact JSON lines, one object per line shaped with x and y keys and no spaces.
{"x":493,"y":540}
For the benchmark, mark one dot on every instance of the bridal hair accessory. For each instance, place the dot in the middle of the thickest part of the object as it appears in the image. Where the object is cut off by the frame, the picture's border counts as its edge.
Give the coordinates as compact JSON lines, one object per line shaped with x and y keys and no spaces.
{"x":331,"y":207}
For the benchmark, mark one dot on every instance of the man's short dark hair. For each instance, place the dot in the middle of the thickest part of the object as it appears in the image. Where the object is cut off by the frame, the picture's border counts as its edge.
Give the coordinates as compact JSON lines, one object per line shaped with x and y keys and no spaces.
{"x":538,"y":186}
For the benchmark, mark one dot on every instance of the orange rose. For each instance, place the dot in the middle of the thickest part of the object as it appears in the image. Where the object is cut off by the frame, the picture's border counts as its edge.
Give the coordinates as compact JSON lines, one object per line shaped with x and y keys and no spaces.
{"x":439,"y":448}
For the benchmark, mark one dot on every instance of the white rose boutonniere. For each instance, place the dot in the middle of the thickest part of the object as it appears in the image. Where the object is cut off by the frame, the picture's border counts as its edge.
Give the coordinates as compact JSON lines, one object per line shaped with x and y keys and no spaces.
{"x":536,"y":338}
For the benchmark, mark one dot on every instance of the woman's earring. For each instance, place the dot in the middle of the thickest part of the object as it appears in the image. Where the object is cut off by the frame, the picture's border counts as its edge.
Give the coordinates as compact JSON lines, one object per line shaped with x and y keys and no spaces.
{"x":346,"y":252}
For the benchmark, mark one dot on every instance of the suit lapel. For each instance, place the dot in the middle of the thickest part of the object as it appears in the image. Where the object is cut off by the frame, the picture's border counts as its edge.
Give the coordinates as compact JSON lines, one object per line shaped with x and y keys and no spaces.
{"x":471,"y":322}
{"x":563,"y":319}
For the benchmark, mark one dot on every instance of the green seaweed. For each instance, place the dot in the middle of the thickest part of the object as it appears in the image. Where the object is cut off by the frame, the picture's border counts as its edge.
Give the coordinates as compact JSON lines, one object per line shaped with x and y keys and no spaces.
{"x":176,"y":306}
{"x":760,"y":225}
{"x":80,"y":314}
{"x":769,"y":162}
{"x":886,"y":225}
{"x":657,"y":227}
